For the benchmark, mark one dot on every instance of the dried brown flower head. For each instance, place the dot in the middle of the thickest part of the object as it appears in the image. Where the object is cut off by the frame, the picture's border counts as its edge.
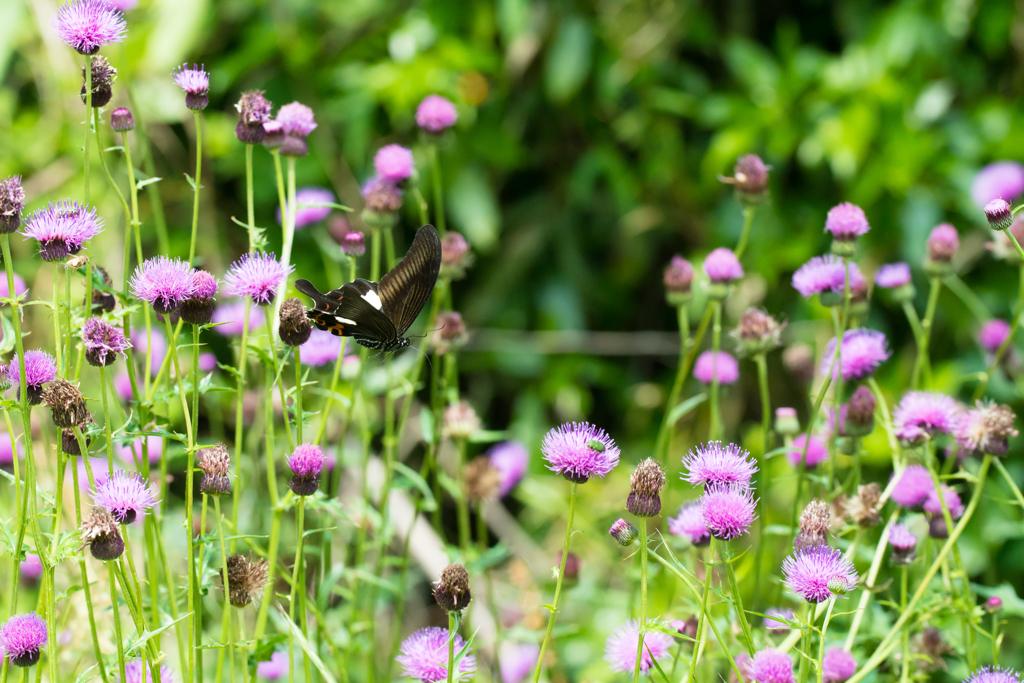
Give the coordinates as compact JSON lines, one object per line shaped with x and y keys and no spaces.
{"x":814,"y":524}
{"x":295,"y":327}
{"x":101,"y":533}
{"x":246,"y":578}
{"x":66,"y":403}
{"x":482,"y":480}
{"x":645,"y":489}
{"x":452,"y":591}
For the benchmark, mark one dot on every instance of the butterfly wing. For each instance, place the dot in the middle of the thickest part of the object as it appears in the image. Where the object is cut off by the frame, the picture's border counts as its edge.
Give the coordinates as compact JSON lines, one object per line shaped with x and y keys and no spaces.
{"x":406,"y":287}
{"x":324,"y":313}
{"x":354,"y":310}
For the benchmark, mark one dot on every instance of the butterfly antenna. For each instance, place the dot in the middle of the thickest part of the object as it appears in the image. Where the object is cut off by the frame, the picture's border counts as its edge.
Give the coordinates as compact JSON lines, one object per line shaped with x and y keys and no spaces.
{"x":421,"y":336}
{"x":431,"y":365}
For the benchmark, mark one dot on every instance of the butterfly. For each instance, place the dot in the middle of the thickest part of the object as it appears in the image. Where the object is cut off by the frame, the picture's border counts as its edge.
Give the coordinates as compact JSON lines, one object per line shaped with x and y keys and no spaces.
{"x":377,"y":315}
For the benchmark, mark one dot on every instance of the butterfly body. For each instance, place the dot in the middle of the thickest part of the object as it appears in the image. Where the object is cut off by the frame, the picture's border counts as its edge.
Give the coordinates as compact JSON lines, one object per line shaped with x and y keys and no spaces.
{"x":378,"y":314}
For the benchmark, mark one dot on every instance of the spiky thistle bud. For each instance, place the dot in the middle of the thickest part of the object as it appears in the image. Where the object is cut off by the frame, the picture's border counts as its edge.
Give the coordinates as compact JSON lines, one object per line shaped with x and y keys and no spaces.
{"x":786,"y":421}
{"x":814,"y":524}
{"x":121,"y":120}
{"x":645,"y":489}
{"x":246,"y":578}
{"x":103,"y":77}
{"x":757,"y":333}
{"x":452,"y":592}
{"x":624,"y":532}
{"x":101,"y":533}
{"x":295,"y":327}
{"x":678,"y":280}
{"x":999,"y":214}
{"x":65,"y":403}
{"x":994,"y":604}
{"x":102,"y":300}
{"x":838,"y":586}
{"x":860,"y":412}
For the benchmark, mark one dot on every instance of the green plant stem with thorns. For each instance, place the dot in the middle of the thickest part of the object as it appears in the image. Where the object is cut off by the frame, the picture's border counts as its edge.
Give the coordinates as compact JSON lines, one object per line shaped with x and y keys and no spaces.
{"x":198,"y":181}
{"x":558,"y":584}
{"x":643,"y":599}
{"x":704,"y":617}
{"x":715,"y":432}
{"x":243,"y":350}
{"x":922,"y":366}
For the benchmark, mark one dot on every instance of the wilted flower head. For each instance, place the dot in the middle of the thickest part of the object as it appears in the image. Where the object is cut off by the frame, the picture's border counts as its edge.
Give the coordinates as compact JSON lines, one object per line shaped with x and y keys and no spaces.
{"x":253,"y":111}
{"x":989,"y":674}
{"x":321,"y":348}
{"x":40,"y":368}
{"x":294,"y":328}
{"x":88,"y":25}
{"x":66,"y":404}
{"x":943,"y":243}
{"x":101,"y":533}
{"x":196,"y":84}
{"x":904,"y":544}
{"x":455,"y":256}
{"x":482,"y":480}
{"x":711,"y":364}
{"x":863,"y":508}
{"x":307,"y":215}
{"x":258,"y":276}
{"x":306,"y":463}
{"x":777,"y":618}
{"x":757,"y":332}
{"x":837,"y":666}
{"x":103,"y":342}
{"x":12,"y":201}
{"x":809,"y":571}
{"x":460,"y":421}
{"x":770,"y":666}
{"x":993,"y":334}
{"x":435,"y":114}
{"x":722,"y":267}
{"x":247,"y":579}
{"x":452,"y":591}
{"x":215,"y":462}
{"x":125,"y":496}
{"x":621,"y":646}
{"x":986,"y":428}
{"x":750,"y":178}
{"x":424,"y":655}
{"x":580,"y":451}
{"x":714,"y":463}
{"x":62,"y":228}
{"x":689,"y":524}
{"x":511,"y":459}
{"x":645,"y":489}
{"x":393,"y":163}
{"x":817,"y":451}
{"x":998,"y":214}
{"x":892,"y":275}
{"x":22,"y":638}
{"x":729,"y":510}
{"x":862,"y":352}
{"x":814,"y":524}
{"x":921,"y":415}
{"x":826,"y":275}
{"x":102,"y":76}
{"x":1002,"y":179}
{"x":914,"y":486}
{"x":163,"y":283}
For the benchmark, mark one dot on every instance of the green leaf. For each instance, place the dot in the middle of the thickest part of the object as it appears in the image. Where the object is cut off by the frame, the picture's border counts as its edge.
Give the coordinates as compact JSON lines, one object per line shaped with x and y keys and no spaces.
{"x":427,"y":426}
{"x":325,"y":205}
{"x":568,"y":59}
{"x":149,"y":181}
{"x":306,"y":646}
{"x":191,"y":181}
{"x":488,"y":436}
{"x":7,"y":344}
{"x":429,"y":504}
{"x":147,"y":635}
{"x":685,"y":407}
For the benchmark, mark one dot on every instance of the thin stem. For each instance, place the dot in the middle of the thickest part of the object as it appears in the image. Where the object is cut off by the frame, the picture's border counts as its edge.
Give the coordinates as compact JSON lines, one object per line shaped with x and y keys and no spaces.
{"x":764,"y":478}
{"x":298,"y":396}
{"x":272,"y":349}
{"x":905,"y":672}
{"x":703,"y":617}
{"x":198,"y":179}
{"x":226,"y":614}
{"x":287,"y":233}
{"x":977,"y":307}
{"x":193,"y":587}
{"x":686,"y":363}
{"x":375,"y":256}
{"x":716,"y":342}
{"x":86,"y":591}
{"x":462,"y":502}
{"x":239,"y":426}
{"x":869,"y":583}
{"x":452,"y":630}
{"x":748,"y":219}
{"x":921,"y":364}
{"x":734,"y":587}
{"x":643,"y":599}
{"x":997,"y":357}
{"x":558,"y":584}
{"x":300,"y":507}
{"x":821,"y":644}
{"x":436,"y":182}
{"x":250,"y":210}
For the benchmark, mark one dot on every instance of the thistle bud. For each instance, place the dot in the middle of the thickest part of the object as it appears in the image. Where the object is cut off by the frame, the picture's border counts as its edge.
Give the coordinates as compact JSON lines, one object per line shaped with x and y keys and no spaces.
{"x":994,"y":604}
{"x":786,"y":421}
{"x":455,"y":256}
{"x":253,"y":111}
{"x":460,"y":421}
{"x":383,"y":200}
{"x":69,"y":442}
{"x":750,"y":178}
{"x":101,"y":533}
{"x":904,"y":544}
{"x":860,"y":412}
{"x":624,"y":532}
{"x":814,"y":525}
{"x":943,"y":243}
{"x":353,"y":244}
{"x":452,"y":592}
{"x":572,"y":566}
{"x":121,"y":120}
{"x":12,"y":201}
{"x":103,"y":300}
{"x":757,"y":333}
{"x":103,"y":77}
{"x":295,"y":327}
{"x":246,"y":579}
{"x":645,"y":489}
{"x":999,"y":214}
{"x":451,"y":333}
{"x":678,"y":279}
{"x":66,"y":403}
{"x":838,"y":586}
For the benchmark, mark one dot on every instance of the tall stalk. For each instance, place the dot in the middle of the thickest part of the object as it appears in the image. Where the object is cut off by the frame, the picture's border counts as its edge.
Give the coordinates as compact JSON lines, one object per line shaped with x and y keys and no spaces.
{"x":716,"y":343}
{"x":643,"y":600}
{"x":703,"y":616}
{"x":198,"y":180}
{"x":558,"y":584}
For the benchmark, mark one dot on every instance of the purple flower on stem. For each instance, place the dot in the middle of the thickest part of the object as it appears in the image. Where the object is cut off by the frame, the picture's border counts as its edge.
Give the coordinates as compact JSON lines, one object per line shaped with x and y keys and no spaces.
{"x":993,"y":334}
{"x":689,"y":524}
{"x":320,"y":349}
{"x":999,"y":214}
{"x":988,"y":674}
{"x":435,"y":114}
{"x":817,"y":451}
{"x":163,"y":283}
{"x":1002,"y":179}
{"x":713,"y":463}
{"x":511,"y":459}
{"x":814,"y":571}
{"x":770,"y":666}
{"x":40,"y":369}
{"x":921,"y":415}
{"x":393,"y":163}
{"x":902,"y":538}
{"x":196,"y":84}
{"x":257,"y":276}
{"x":274,"y":668}
{"x":31,"y":568}
{"x":307,"y":215}
{"x":838,"y":665}
{"x":722,"y":267}
{"x":307,"y":460}
{"x":914,"y":487}
{"x":125,"y":496}
{"x":62,"y":227}
{"x":728,"y":511}
{"x":620,"y":648}
{"x":862,"y":352}
{"x":103,"y":342}
{"x":933,"y":506}
{"x":721,"y":363}
{"x":781,"y":618}
{"x":579,"y":451}
{"x":826,"y":274}
{"x":19,"y":285}
{"x":296,"y":119}
{"x":516,"y":660}
{"x":942,"y":243}
{"x":892,"y":275}
{"x":22,"y":638}
{"x":230,"y":319}
{"x":135,"y":672}
{"x":986,"y":428}
{"x":424,"y":655}
{"x":88,"y":25}
{"x":846,"y":221}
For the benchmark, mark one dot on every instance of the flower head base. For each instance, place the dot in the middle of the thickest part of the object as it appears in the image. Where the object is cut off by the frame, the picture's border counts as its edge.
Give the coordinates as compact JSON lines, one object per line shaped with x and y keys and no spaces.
{"x":511,"y":459}
{"x":712,"y":463}
{"x":197,"y":309}
{"x":750,"y":178}
{"x":816,"y":451}
{"x":922,"y":415}
{"x":904,"y":544}
{"x":40,"y":368}
{"x":196,"y":84}
{"x":436,"y":114}
{"x":321,"y":348}
{"x":645,"y":489}
{"x":247,"y":578}
{"x":12,"y":201}
{"x":814,"y":524}
{"x":837,"y":666}
{"x":770,"y":666}
{"x":163,"y":283}
{"x":728,"y":510}
{"x":66,"y":404}
{"x":102,"y":78}
{"x":986,"y":428}
{"x":452,"y":591}
{"x":253,"y":111}
{"x":758,"y":332}
{"x":827,"y":277}
{"x":914,"y":486}
{"x":814,"y":572}
{"x":88,"y":25}
{"x":295,"y":327}
{"x":424,"y":656}
{"x":62,"y":228}
{"x":103,"y":342}
{"x":846,"y":222}
{"x":993,"y":334}
{"x":722,"y":267}
{"x":998,"y":214}
{"x":862,"y":352}
{"x":689,"y":524}
{"x":988,"y":674}
{"x":258,"y":276}
{"x":1003,"y":179}
{"x":22,"y":638}
{"x":101,"y":533}
{"x":125,"y":496}
{"x":306,"y":463}
{"x":393,"y":163}
{"x":710,"y":365}
{"x":580,"y":451}
{"x":994,"y":604}
{"x":678,"y":279}
{"x":621,"y":646}
{"x":943,"y":243}
{"x":624,"y":533}
{"x":455,"y":256}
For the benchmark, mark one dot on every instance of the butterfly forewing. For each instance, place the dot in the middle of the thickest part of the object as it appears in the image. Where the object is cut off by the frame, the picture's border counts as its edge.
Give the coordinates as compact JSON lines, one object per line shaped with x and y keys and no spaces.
{"x":405,"y":288}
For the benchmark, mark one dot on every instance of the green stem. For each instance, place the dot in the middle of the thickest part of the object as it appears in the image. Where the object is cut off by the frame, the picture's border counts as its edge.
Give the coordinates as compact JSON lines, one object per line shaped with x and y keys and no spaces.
{"x":88,"y":125}
{"x":905,"y":673}
{"x":239,"y":427}
{"x":764,"y":478}
{"x":921,"y":364}
{"x":821,"y":644}
{"x":287,"y":236}
{"x":462,"y":502}
{"x":686,"y":363}
{"x":436,"y":182}
{"x":198,"y":180}
{"x":913,"y":319}
{"x":298,"y":396}
{"x":558,"y":584}
{"x":997,"y":358}
{"x":748,"y":219}
{"x":193,"y":587}
{"x":452,"y":630}
{"x":716,"y":342}
{"x":734,"y":587}
{"x":272,"y":349}
{"x":704,"y":617}
{"x":869,"y":582}
{"x":250,"y":210}
{"x":275,"y":524}
{"x":155,"y":202}
{"x":86,"y":591}
{"x":226,"y":614}
{"x":977,"y":307}
{"x":643,"y":600}
{"x":375,"y":256}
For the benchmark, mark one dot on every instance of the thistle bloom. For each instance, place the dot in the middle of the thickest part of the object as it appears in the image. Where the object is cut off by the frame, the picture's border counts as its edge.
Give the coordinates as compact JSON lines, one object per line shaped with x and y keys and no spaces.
{"x":999,"y":214}
{"x":511,"y":459}
{"x":838,"y":665}
{"x":993,"y":334}
{"x":810,"y":571}
{"x":988,"y":674}
{"x":722,"y":267}
{"x":62,"y":228}
{"x":40,"y":368}
{"x":986,"y":428}
{"x":424,"y":655}
{"x":709,"y":364}
{"x":846,"y":222}
{"x":88,"y":25}
{"x":163,"y":283}
{"x":778,"y":618}
{"x":196,"y":84}
{"x":435,"y":114}
{"x":943,"y":243}
{"x":306,"y":463}
{"x":914,"y":487}
{"x":750,"y":178}
{"x":22,"y":638}
{"x":1002,"y":179}
{"x":904,"y":544}
{"x":580,"y":451}
{"x":826,"y":274}
{"x":921,"y":415}
{"x":121,"y":120}
{"x":274,"y":668}
{"x":933,"y":506}
{"x":12,"y":201}
{"x":125,"y":496}
{"x":197,"y":309}
{"x":257,"y":276}
{"x":817,"y":451}
{"x":770,"y":666}
{"x":712,"y":463}
{"x":621,"y":646}
{"x":321,"y":348}
{"x":307,"y":215}
{"x":516,"y":660}
{"x":353,"y":243}
{"x":253,"y":111}
{"x":137,"y":672}
{"x":230,"y":319}
{"x":393,"y":163}
{"x":728,"y":511}
{"x":689,"y":524}
{"x":296,"y":119}
{"x":892,"y":275}
{"x":678,"y":280}
{"x":862,"y":352}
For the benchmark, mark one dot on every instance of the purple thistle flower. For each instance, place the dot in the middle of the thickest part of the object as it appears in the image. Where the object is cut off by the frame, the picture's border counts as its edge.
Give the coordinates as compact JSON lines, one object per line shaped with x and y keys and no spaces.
{"x":516,"y":660}
{"x":942,"y":243}
{"x":31,"y":568}
{"x":986,"y":428}
{"x":196,"y":84}
{"x":893,"y":275}
{"x":23,"y":637}
{"x":689,"y":524}
{"x":424,"y":655}
{"x":809,"y":571}
{"x":837,"y":666}
{"x":579,"y":451}
{"x":826,"y":274}
{"x":353,"y":243}
{"x":620,"y":648}
{"x":998,"y":214}
{"x":307,"y":460}
{"x":988,"y":674}
{"x":62,"y":227}
{"x":257,"y":276}
{"x":125,"y":496}
{"x":19,"y":285}
{"x":163,"y":283}
{"x":436,"y":113}
{"x":722,"y":364}
{"x":846,"y":221}
{"x":511,"y":459}
{"x":993,"y":334}
{"x":914,"y":487}
{"x":135,"y":672}
{"x":770,"y":666}
{"x":393,"y":163}
{"x":296,"y":120}
{"x":933,"y":506}
{"x":88,"y":25}
{"x":817,"y":451}
{"x":1002,"y":179}
{"x":12,"y":201}
{"x":320,"y":349}
{"x":780,"y":623}
{"x":728,"y":511}
{"x":40,"y":368}
{"x":274,"y":668}
{"x":230,"y":319}
{"x":712,"y":463}
{"x":902,"y":538}
{"x":862,"y":352}
{"x":103,"y":342}
{"x":307,"y":215}
{"x":921,"y":415}
{"x":722,"y":267}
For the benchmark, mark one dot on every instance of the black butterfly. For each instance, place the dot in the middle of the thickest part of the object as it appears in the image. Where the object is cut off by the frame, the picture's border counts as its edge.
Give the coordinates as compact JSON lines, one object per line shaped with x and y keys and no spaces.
{"x":379,"y":315}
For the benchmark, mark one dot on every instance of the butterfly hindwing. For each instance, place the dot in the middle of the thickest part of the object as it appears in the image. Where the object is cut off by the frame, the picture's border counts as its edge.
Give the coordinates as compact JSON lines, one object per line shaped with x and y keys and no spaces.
{"x":405,"y":288}
{"x":361,"y":315}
